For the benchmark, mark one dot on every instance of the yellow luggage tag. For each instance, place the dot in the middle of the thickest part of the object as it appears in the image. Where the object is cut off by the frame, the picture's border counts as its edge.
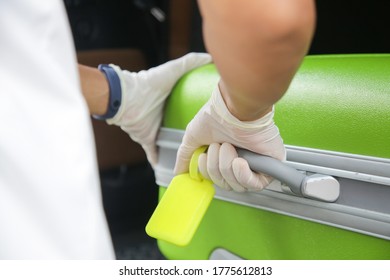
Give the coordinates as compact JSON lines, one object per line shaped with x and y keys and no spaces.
{"x":182,"y":207}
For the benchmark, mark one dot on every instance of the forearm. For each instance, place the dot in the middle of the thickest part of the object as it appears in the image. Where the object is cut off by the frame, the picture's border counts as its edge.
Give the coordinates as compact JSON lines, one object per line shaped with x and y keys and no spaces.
{"x":257,"y":46}
{"x":95,"y":89}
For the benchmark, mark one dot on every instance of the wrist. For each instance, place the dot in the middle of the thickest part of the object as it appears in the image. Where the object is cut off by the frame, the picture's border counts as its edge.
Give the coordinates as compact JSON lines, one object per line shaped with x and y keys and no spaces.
{"x":220,"y":107}
{"x":114,"y":98}
{"x":243,"y":108}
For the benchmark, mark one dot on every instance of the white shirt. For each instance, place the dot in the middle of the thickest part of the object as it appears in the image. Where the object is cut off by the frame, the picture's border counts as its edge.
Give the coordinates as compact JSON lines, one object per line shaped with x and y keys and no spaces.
{"x":50,"y":200}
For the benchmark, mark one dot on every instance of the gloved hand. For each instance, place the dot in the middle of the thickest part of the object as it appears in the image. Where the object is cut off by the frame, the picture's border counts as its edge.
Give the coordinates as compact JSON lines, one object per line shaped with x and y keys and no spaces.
{"x":143,"y":97}
{"x":214,"y":124}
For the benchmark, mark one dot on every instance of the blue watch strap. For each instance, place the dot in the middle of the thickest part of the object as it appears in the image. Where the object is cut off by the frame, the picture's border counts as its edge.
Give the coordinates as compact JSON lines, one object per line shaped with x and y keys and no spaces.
{"x":115,"y":95}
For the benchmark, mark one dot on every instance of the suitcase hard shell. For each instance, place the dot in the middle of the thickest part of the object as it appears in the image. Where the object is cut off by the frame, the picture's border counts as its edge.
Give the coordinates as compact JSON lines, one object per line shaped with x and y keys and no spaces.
{"x":334,"y":120}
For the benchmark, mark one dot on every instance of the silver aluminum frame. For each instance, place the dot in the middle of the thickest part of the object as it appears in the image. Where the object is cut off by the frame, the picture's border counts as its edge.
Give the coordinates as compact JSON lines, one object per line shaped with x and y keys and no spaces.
{"x":363,"y":205}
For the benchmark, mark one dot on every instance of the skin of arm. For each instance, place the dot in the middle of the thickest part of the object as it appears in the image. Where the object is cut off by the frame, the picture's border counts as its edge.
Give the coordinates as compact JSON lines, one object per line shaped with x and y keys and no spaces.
{"x":257,"y":47}
{"x":95,"y":89}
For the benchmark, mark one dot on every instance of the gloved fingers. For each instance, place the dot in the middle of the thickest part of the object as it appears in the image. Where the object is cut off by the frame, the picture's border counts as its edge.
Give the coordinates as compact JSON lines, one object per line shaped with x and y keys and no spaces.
{"x":167,"y":74}
{"x":250,"y":180}
{"x":185,"y":152}
{"x":213,"y":169}
{"x":222,"y":165}
{"x":191,"y":61}
{"x":146,"y":90}
{"x":227,"y":154}
{"x":202,"y":166}
{"x":216,"y":163}
{"x":183,"y":158}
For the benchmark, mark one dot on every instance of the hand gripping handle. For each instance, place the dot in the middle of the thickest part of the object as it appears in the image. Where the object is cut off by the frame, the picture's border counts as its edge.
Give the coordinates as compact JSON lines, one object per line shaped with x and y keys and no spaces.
{"x":317,"y":186}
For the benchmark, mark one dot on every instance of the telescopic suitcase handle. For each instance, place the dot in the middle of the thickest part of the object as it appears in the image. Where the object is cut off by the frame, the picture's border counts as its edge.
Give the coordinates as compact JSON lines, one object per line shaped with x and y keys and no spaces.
{"x":317,"y":186}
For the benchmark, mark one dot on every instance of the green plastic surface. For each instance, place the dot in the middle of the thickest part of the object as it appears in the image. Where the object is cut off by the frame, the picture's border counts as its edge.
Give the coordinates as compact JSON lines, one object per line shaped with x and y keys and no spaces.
{"x":335,"y":102}
{"x":252,"y":233}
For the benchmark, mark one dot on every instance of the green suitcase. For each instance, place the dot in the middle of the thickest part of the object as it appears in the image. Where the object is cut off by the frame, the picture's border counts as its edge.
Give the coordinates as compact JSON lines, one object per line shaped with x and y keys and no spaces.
{"x":334,"y":120}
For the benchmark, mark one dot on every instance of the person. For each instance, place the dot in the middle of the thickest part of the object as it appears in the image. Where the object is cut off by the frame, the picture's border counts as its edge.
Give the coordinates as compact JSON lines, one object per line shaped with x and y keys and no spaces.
{"x":50,"y":196}
{"x":257,"y":48}
{"x":50,"y":201}
{"x":142,"y":96}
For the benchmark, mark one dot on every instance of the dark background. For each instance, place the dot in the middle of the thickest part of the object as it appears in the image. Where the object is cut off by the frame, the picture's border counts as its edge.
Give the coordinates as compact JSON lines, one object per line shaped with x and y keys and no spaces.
{"x":126,"y":33}
{"x":352,"y":27}
{"x":342,"y":26}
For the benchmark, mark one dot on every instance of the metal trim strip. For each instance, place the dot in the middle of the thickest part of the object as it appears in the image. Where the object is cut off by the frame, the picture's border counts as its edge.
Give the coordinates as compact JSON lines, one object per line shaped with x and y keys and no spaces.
{"x":372,"y":218}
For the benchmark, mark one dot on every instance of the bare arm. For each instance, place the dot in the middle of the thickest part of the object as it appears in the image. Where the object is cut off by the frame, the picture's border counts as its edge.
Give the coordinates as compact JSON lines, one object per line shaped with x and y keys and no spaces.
{"x":257,"y":46}
{"x":95,"y":89}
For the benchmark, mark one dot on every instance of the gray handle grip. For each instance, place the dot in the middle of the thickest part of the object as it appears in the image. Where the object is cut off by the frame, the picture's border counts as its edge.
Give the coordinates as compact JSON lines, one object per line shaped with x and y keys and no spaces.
{"x":274,"y":168}
{"x":320,"y":187}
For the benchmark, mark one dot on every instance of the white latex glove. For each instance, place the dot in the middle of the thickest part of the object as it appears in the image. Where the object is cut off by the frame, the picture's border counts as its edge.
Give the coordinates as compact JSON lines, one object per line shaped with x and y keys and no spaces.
{"x":214,"y":124}
{"x":143,"y":97}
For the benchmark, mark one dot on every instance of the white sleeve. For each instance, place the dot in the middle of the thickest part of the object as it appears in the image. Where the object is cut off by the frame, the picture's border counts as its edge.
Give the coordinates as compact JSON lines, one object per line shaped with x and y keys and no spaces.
{"x":50,"y":200}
